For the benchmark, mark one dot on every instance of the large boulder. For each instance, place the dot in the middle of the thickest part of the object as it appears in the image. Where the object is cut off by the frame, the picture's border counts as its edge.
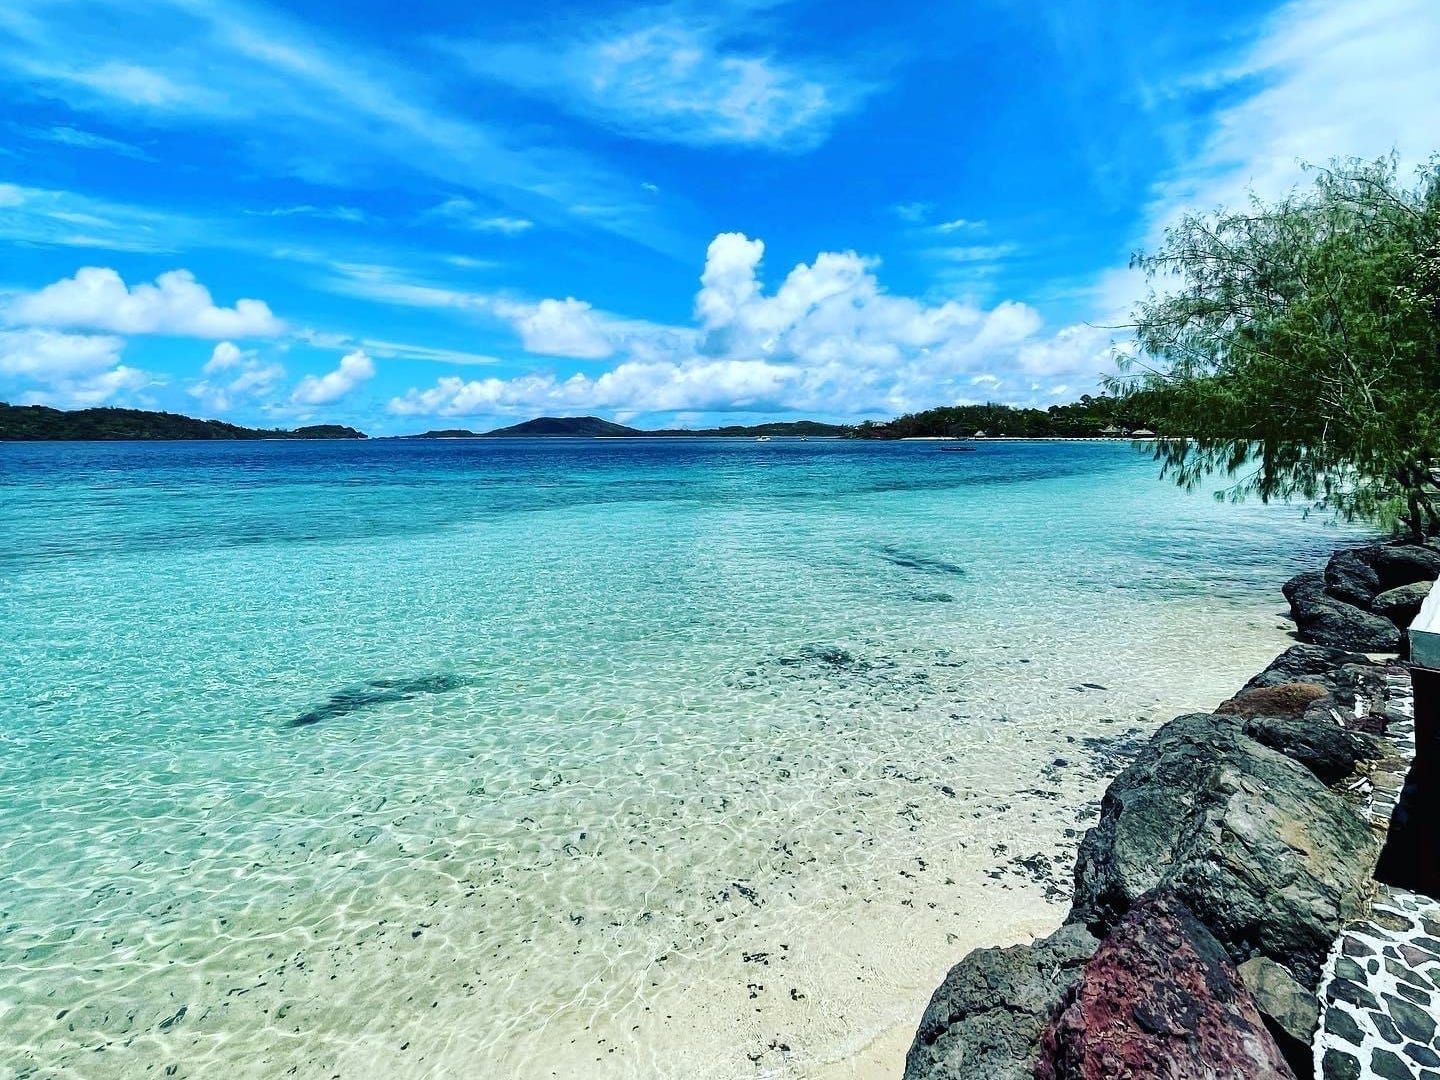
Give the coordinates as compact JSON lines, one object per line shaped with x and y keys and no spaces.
{"x":1328,"y":750}
{"x":1268,"y":857}
{"x":1351,"y":577}
{"x":1160,"y":998}
{"x":1401,"y":605}
{"x":1405,"y":564}
{"x":1358,"y":575}
{"x":987,"y":1017}
{"x":1325,"y":620}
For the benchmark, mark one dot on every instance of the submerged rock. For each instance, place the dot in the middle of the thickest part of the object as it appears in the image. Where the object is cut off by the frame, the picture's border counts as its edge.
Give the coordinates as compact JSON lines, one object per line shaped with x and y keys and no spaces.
{"x":1270,"y":859}
{"x":1325,"y":620}
{"x":1160,"y":997}
{"x":987,"y":1017}
{"x":917,"y":560}
{"x":378,"y":692}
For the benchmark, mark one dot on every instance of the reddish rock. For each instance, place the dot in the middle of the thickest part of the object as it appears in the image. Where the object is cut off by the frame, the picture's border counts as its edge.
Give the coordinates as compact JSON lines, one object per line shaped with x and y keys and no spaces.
{"x":1160,"y":998}
{"x":1285,"y":699}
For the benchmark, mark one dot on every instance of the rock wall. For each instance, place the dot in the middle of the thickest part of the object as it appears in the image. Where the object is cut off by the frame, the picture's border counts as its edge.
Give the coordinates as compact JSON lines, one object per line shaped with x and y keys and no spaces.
{"x":1227,"y":859}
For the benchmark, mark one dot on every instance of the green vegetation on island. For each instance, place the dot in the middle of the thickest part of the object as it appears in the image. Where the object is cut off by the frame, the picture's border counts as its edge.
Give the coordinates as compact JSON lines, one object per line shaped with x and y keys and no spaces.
{"x":40,"y":422}
{"x":1093,"y":416}
{"x":1297,"y":343}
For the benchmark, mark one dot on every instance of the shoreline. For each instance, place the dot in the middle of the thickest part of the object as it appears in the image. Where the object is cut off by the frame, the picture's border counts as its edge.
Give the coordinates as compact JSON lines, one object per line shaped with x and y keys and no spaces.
{"x":1297,"y":742}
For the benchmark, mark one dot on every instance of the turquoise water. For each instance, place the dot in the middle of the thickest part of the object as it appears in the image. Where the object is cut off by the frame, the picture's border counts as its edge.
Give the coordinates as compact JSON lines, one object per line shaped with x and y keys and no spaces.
{"x":569,"y":758}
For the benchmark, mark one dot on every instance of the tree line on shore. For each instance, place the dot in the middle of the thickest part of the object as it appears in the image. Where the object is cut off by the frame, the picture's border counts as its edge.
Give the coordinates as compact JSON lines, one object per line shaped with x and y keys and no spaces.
{"x":1093,"y":416}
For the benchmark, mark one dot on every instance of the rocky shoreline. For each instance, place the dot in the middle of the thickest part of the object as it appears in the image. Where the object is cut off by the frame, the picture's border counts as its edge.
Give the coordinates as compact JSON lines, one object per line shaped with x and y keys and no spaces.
{"x":1228,"y":859}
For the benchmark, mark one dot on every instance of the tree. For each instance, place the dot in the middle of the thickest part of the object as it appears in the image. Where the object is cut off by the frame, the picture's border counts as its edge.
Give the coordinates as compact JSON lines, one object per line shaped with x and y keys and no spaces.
{"x":1296,"y":346}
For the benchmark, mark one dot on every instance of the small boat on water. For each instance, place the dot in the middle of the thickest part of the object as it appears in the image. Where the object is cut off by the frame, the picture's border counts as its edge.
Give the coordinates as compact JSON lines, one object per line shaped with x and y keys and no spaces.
{"x":762,"y":438}
{"x":958,"y":449}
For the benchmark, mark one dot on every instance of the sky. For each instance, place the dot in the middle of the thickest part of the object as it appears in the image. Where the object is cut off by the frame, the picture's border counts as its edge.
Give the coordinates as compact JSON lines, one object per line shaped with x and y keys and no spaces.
{"x":460,"y":215}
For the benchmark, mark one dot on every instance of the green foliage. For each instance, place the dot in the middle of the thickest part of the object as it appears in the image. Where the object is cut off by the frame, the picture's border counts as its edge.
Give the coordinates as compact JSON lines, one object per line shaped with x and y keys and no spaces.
{"x":1296,"y":346}
{"x":1090,"y":417}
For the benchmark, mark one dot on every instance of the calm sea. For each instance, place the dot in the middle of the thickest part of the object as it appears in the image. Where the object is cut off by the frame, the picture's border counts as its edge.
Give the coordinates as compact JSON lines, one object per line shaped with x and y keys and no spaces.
{"x":523,"y":758}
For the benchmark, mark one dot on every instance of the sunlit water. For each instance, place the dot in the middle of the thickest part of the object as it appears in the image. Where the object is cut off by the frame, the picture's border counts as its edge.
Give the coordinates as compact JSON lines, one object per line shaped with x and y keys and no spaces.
{"x":579,"y":759}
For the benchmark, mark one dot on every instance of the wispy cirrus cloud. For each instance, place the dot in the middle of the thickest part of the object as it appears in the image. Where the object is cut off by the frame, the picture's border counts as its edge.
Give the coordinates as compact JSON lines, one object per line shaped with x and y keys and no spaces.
{"x":1324,"y":78}
{"x":675,"y":74}
{"x":308,"y":106}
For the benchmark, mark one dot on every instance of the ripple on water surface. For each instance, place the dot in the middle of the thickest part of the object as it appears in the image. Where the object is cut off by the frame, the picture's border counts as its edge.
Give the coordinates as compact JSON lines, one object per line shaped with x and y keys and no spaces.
{"x":570,"y":759}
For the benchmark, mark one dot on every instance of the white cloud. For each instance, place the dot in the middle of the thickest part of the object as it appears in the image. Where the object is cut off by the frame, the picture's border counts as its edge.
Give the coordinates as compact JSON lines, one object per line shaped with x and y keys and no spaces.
{"x":829,"y":340}
{"x":958,"y":225}
{"x":233,"y":375}
{"x":1330,"y":78}
{"x":465,"y":214}
{"x":97,"y":298}
{"x":48,"y":354}
{"x":46,"y":367}
{"x":90,"y":390}
{"x":677,"y":81}
{"x":46,"y":216}
{"x":566,"y":327}
{"x":300,"y":103}
{"x":355,"y":368}
{"x":325,"y":213}
{"x":87,"y":140}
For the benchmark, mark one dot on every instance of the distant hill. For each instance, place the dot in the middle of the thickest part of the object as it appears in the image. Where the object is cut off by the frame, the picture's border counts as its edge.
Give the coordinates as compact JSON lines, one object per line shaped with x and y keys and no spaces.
{"x":594,"y":427}
{"x":562,"y":425}
{"x":39,"y":422}
{"x":789,"y":427}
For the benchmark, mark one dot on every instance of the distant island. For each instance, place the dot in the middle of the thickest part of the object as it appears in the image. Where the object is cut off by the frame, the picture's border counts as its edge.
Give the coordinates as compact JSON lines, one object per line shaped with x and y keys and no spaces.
{"x":39,"y":422}
{"x":594,"y":428}
{"x":1091,"y":417}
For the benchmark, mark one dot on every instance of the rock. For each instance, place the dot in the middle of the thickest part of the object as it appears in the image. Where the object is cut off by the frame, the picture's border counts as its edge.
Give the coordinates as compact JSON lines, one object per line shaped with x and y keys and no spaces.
{"x":1316,"y":664}
{"x":987,"y":1017}
{"x":1324,"y":620}
{"x":1325,"y":748}
{"x":1281,"y":699}
{"x":1405,"y":564}
{"x":1291,"y":1013}
{"x":1349,"y":576}
{"x":1272,"y":861}
{"x":1159,"y":998}
{"x":1401,"y":605}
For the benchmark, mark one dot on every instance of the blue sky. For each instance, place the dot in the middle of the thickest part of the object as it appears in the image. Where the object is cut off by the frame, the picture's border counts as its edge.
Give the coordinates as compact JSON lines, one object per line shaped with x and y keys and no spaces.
{"x":672,"y":213}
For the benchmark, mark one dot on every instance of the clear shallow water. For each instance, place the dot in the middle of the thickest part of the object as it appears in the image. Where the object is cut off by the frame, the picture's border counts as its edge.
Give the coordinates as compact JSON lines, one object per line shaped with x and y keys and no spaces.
{"x":628,"y":759}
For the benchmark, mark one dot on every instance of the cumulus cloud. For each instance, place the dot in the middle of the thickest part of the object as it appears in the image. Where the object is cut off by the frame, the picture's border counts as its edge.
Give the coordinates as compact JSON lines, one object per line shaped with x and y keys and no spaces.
{"x":91,"y":390}
{"x":566,"y":327}
{"x":47,"y":367}
{"x":828,"y":340}
{"x":49,"y":354}
{"x":233,"y":376}
{"x":355,"y":368}
{"x":97,"y":298}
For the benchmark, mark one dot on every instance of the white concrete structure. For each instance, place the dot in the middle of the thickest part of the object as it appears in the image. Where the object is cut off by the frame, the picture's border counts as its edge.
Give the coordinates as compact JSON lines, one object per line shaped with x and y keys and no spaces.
{"x":1425,"y":633}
